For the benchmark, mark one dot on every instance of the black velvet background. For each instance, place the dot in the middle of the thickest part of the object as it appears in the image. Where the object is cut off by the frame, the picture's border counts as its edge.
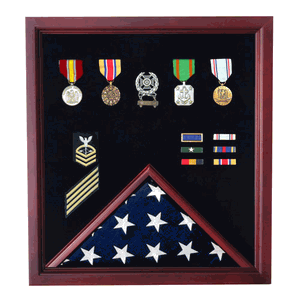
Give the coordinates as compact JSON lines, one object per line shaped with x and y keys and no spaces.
{"x":131,"y":137}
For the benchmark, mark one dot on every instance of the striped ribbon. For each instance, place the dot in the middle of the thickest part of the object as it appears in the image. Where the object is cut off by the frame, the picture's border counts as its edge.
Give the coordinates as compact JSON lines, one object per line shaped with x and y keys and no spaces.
{"x":224,"y":162}
{"x":71,"y":69}
{"x":110,"y":68}
{"x":224,"y":137}
{"x":221,"y":68}
{"x":81,"y":191}
{"x":225,"y":149}
{"x":192,"y":162}
{"x":183,"y":69}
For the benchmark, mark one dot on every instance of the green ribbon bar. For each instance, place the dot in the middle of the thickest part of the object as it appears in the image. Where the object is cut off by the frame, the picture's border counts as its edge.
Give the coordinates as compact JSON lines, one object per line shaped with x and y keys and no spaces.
{"x":183,"y":69}
{"x":191,"y":150}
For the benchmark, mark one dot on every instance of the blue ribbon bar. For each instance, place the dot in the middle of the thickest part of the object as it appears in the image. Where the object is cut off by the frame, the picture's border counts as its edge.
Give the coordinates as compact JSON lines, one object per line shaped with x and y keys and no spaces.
{"x":192,"y":137}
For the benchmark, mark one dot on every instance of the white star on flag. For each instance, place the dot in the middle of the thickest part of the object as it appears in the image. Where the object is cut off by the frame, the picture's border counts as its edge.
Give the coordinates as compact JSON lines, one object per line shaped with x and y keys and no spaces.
{"x":65,"y":261}
{"x":155,"y":191}
{"x":217,"y":250}
{"x":156,"y":221}
{"x":155,"y":252}
{"x":187,"y":221}
{"x":123,"y":223}
{"x":89,"y":255}
{"x":191,"y":149}
{"x":122,"y":254}
{"x":186,"y":250}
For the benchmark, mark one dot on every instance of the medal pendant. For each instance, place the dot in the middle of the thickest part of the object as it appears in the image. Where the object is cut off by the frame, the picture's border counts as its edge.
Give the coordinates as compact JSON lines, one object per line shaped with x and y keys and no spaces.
{"x":111,"y":95}
{"x":72,"y":95}
{"x":147,"y":85}
{"x":222,"y":95}
{"x":184,"y":95}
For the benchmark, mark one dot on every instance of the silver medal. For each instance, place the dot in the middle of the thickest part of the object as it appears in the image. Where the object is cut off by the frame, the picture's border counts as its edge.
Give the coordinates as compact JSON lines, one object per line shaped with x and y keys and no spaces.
{"x":184,"y":95}
{"x":147,"y":85}
{"x":72,"y":95}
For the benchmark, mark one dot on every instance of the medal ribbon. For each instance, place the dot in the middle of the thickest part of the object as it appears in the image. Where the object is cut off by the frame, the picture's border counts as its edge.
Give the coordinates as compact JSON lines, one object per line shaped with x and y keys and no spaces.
{"x":221,"y":68}
{"x":110,"y":68}
{"x":71,"y":69}
{"x":183,"y":69}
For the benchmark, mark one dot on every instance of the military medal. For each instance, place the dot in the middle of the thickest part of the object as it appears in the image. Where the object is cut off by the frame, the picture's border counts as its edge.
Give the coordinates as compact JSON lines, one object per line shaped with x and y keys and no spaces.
{"x":72,"y":70}
{"x":147,"y":85}
{"x":110,"y":69}
{"x":222,"y":69}
{"x":183,"y":69}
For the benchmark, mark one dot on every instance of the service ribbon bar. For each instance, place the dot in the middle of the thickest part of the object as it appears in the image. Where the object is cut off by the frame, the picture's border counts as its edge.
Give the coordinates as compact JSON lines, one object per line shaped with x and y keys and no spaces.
{"x":224,"y":137}
{"x":226,"y":149}
{"x":71,"y":69}
{"x":221,"y":68}
{"x":183,"y":69}
{"x":110,"y":68}
{"x":191,"y":150}
{"x":192,"y":137}
{"x":81,"y":191}
{"x":192,"y":162}
{"x":224,"y":162}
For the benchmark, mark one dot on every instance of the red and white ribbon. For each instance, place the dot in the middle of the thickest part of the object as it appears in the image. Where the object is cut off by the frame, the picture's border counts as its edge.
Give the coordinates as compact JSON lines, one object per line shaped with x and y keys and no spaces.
{"x":221,"y":68}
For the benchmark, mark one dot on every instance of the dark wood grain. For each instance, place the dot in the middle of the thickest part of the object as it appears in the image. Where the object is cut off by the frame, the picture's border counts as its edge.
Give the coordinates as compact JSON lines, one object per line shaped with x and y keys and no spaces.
{"x":262,"y":27}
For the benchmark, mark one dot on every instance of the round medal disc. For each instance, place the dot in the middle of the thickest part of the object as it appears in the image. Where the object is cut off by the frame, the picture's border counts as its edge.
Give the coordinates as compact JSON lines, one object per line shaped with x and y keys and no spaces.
{"x":72,"y":95}
{"x":222,"y":95}
{"x":111,"y":95}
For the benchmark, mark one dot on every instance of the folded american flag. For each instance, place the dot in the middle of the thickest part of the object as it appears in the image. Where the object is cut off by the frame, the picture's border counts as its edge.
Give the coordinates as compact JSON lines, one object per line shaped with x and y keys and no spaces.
{"x":149,"y":229}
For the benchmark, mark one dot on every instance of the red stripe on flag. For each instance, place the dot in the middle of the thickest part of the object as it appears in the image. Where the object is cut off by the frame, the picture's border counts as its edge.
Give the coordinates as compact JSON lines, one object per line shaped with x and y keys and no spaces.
{"x":223,"y":149}
{"x":225,"y":162}
{"x":185,"y":161}
{"x":63,"y":67}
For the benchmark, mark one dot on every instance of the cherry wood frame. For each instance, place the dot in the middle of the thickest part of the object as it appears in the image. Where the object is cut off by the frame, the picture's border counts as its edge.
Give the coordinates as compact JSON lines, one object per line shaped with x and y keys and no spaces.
{"x":260,"y":272}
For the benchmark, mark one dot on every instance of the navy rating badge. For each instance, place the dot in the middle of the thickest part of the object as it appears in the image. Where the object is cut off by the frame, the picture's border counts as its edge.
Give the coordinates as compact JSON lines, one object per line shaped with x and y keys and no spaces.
{"x":85,"y":148}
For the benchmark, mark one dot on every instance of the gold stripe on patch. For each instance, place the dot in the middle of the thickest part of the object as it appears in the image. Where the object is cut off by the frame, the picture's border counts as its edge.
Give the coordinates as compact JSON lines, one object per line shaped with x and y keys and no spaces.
{"x":82,"y":193}
{"x":82,"y":187}
{"x":86,"y":164}
{"x":85,"y":159}
{"x":78,"y":202}
{"x":85,"y":155}
{"x":81,"y":182}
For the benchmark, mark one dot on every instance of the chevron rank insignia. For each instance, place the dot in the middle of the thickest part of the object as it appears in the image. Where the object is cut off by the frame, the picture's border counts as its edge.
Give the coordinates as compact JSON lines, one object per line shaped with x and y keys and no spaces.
{"x":81,"y":191}
{"x":85,"y":148}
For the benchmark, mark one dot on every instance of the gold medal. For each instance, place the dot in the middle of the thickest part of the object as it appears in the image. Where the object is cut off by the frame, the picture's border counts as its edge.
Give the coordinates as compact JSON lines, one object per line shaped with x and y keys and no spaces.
{"x":110,"y":69}
{"x":111,"y":95}
{"x":222,"y":69}
{"x":222,"y":95}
